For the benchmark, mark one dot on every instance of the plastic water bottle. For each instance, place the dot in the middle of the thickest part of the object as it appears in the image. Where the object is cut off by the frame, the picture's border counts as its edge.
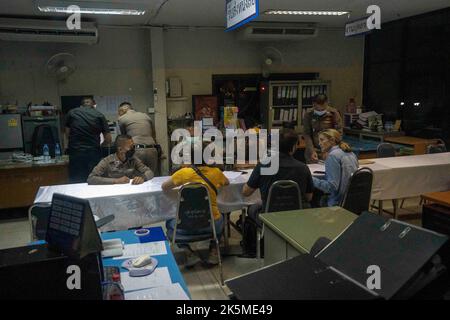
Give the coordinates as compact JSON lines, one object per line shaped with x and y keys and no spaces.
{"x":57,"y":152}
{"x":46,"y":153}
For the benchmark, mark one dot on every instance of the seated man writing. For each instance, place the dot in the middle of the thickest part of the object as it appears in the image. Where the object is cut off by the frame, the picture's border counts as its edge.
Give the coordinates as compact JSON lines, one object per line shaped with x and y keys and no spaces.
{"x":121,"y":167}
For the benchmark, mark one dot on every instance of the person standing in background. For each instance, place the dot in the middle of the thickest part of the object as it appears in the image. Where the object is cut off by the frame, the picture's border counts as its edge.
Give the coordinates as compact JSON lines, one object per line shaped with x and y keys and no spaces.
{"x":321,"y":117}
{"x":140,"y":127}
{"x":83,"y":127}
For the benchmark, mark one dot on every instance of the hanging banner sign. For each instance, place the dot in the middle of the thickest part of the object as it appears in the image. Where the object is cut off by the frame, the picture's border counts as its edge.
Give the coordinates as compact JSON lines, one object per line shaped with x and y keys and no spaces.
{"x":240,"y":12}
{"x":357,"y":27}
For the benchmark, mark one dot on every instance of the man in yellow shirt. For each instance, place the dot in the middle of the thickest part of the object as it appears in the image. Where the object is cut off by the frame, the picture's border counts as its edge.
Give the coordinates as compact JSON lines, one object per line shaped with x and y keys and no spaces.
{"x":189,"y":174}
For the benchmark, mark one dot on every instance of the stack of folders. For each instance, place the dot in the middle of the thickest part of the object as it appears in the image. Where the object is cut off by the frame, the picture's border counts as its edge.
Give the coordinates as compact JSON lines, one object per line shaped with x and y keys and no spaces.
{"x":310,"y":91}
{"x":285,"y":95}
{"x":285,"y":115}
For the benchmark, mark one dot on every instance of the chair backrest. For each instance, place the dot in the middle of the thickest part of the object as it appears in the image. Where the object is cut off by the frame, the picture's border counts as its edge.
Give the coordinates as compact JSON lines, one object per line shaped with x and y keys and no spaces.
{"x":38,"y":218}
{"x":283,"y":195}
{"x":194,"y":208}
{"x":357,"y":196}
{"x":439,"y":147}
{"x":385,"y":150}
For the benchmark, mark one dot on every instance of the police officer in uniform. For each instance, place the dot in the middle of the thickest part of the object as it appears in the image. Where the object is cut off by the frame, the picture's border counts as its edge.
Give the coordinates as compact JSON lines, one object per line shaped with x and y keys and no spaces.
{"x":141,"y":128}
{"x":320,"y":117}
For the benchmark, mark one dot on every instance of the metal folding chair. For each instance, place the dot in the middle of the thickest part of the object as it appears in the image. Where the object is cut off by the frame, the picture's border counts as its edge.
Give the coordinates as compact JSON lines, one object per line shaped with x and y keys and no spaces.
{"x":194,"y":212}
{"x":284,"y":195}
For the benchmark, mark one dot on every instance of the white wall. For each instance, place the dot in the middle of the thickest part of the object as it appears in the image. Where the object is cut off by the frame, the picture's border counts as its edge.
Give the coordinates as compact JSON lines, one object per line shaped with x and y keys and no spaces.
{"x":195,"y":55}
{"x":119,"y":64}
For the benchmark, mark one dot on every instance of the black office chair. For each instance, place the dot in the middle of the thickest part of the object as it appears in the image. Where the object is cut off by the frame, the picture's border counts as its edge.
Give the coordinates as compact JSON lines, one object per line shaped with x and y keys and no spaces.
{"x":439,"y":147}
{"x":284,"y":195}
{"x":385,"y":150}
{"x":38,"y":218}
{"x":194,"y":212}
{"x":357,"y":196}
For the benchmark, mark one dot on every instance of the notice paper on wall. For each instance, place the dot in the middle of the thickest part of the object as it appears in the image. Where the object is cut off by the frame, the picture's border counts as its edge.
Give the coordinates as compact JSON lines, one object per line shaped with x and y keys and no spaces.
{"x":155,"y":248}
{"x":170,"y":292}
{"x":108,"y":105}
{"x":160,"y":277}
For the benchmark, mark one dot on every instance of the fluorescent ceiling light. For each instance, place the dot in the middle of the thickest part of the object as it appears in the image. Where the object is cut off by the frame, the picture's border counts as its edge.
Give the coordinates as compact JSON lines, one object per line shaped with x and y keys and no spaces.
{"x":306,"y":13}
{"x":123,"y":12}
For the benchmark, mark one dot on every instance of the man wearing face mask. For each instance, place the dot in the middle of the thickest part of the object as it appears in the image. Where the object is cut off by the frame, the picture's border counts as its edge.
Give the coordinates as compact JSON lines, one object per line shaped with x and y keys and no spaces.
{"x":319,"y":118}
{"x":121,"y":167}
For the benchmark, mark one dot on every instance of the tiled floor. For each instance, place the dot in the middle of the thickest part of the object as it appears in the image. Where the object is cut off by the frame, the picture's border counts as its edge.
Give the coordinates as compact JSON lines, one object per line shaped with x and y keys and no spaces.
{"x":14,"y":233}
{"x":202,"y":282}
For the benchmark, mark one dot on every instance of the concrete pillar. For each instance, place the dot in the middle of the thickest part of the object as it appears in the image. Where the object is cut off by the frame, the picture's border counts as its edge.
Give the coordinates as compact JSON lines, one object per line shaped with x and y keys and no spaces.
{"x":159,"y":93}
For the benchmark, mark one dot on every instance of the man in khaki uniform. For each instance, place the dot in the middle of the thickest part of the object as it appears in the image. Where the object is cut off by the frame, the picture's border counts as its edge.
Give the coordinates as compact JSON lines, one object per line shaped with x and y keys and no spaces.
{"x":121,"y":167}
{"x":320,"y":117}
{"x":140,"y":127}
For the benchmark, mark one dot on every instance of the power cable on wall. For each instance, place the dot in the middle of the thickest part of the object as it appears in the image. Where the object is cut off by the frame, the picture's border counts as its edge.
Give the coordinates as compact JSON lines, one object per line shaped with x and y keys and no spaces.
{"x":157,"y":12}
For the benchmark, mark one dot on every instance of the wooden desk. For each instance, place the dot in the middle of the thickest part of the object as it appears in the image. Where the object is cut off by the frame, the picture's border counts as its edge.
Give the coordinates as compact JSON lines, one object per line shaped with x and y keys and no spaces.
{"x":419,"y":144}
{"x":442,"y":198}
{"x":19,"y":182}
{"x":290,"y":233}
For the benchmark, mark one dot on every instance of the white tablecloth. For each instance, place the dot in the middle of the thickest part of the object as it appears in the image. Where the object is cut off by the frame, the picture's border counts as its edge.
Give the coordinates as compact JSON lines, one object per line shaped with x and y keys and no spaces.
{"x":408,"y":176}
{"x":394,"y":178}
{"x":137,"y":205}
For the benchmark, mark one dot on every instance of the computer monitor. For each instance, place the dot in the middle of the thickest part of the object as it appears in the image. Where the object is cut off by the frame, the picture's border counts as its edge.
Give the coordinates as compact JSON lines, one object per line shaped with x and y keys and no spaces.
{"x":71,"y":227}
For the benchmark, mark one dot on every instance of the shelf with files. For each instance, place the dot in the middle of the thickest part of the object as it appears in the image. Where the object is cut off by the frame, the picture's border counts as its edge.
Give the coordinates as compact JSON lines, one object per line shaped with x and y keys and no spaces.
{"x":289,"y":100}
{"x":310,"y":89}
{"x":283,"y":103}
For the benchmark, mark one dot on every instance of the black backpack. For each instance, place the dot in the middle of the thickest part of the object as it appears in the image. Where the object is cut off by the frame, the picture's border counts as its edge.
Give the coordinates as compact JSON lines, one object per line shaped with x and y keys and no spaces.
{"x":44,"y":134}
{"x":248,"y":242}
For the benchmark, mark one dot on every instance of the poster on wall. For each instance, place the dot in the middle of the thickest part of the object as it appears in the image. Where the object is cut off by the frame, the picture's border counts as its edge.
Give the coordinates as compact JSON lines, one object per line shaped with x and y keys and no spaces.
{"x":205,"y":107}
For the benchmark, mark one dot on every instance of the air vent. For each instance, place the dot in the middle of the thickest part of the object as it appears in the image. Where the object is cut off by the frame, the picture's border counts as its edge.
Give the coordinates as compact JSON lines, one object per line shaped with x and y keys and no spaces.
{"x":300,"y":31}
{"x":266,"y":31}
{"x":46,"y":31}
{"x":278,"y":32}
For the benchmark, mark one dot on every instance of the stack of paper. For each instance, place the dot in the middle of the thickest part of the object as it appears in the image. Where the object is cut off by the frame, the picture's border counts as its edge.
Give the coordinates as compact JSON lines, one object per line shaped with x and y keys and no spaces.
{"x":364,"y":118}
{"x":159,"y":277}
{"x":138,"y":249}
{"x":169,"y":292}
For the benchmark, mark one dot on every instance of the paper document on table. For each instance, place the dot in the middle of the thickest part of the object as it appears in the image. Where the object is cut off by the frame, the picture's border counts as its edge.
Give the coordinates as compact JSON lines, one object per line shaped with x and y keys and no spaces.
{"x":159,"y":277}
{"x":231,"y":175}
{"x":155,"y":248}
{"x":170,"y":292}
{"x":316,"y":167}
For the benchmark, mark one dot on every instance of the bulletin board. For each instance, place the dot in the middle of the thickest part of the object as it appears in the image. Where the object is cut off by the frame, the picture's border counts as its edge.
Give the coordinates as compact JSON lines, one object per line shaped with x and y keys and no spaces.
{"x":109,"y":105}
{"x":205,"y":106}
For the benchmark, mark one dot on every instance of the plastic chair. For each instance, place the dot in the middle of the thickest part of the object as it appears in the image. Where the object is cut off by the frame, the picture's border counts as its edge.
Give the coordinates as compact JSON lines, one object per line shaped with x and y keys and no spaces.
{"x":385,"y":150}
{"x":284,"y":195}
{"x":194,"y":212}
{"x":357,"y":196}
